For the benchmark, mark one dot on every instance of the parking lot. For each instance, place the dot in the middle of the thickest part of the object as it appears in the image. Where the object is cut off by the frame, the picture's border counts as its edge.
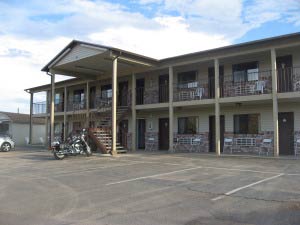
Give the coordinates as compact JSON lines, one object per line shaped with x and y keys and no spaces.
{"x":144,"y":188}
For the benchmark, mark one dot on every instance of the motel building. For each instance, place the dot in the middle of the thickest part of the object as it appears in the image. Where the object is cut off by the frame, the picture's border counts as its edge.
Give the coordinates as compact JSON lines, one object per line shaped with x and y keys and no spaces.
{"x":238,"y":99}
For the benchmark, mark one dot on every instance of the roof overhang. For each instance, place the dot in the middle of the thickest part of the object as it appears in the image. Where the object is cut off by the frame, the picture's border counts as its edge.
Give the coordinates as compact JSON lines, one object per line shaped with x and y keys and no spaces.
{"x":90,"y":61}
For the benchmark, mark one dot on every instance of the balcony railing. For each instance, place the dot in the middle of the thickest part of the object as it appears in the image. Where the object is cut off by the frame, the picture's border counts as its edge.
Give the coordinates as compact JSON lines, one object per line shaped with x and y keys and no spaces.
{"x":193,"y":90}
{"x":158,"y":94}
{"x":39,"y":108}
{"x":102,"y":102}
{"x":74,"y":104}
{"x":59,"y":106}
{"x":140,"y":91}
{"x":288,"y":79}
{"x":244,"y":84}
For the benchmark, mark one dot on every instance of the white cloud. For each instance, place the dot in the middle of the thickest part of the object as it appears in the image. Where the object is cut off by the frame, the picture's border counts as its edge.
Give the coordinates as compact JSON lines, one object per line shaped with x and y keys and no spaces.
{"x":172,"y":38}
{"x":23,"y":71}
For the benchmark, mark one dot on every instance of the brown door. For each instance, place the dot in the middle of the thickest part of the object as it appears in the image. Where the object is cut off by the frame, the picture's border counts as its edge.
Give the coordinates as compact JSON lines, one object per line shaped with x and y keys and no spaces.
{"x":286,"y":133}
{"x":123,"y":131}
{"x":163,"y":88}
{"x":211,"y":81}
{"x":284,"y":66}
{"x":163,"y":133}
{"x":212,"y":133}
{"x":141,"y":131}
{"x":123,"y":93}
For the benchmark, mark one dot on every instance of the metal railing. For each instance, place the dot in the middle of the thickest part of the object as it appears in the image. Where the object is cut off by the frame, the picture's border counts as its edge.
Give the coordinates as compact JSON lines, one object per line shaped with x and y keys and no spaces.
{"x":59,"y":106}
{"x":75,"y":104}
{"x":163,"y":93}
{"x":193,"y":90}
{"x":243,"y":84}
{"x":40,"y":108}
{"x":140,"y":92}
{"x":288,"y":79}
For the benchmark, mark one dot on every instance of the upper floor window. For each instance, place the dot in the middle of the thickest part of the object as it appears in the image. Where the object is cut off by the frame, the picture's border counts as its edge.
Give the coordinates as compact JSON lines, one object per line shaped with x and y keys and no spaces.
{"x":244,"y":72}
{"x":246,"y":124}
{"x":106,"y":91}
{"x":187,"y":79}
{"x":187,"y":125}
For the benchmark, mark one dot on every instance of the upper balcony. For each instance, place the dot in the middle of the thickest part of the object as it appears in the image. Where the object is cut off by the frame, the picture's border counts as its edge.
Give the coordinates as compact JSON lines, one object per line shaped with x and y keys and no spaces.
{"x":288,"y":79}
{"x":152,"y":96}
{"x":245,"y":83}
{"x":75,"y":104}
{"x":43,"y":107}
{"x":194,"y":90}
{"x":40,"y":108}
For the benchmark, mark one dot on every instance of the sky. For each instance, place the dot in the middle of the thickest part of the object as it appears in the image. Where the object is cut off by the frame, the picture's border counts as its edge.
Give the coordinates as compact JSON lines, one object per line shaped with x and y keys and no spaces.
{"x":32,"y":32}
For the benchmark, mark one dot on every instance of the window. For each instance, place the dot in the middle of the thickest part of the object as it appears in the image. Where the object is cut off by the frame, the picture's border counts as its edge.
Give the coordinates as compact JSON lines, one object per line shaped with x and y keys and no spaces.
{"x":187,"y":125}
{"x":187,"y":79}
{"x":246,"y":124}
{"x":106,"y":91}
{"x":245,"y":72}
{"x":79,"y":96}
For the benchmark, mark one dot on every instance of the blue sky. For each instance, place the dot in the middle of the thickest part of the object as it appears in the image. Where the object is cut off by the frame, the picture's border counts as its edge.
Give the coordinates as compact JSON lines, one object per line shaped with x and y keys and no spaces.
{"x":33,"y":31}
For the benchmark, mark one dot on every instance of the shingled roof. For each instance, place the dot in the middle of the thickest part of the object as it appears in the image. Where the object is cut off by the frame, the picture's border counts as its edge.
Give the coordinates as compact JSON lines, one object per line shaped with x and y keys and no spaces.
{"x":20,"y":118}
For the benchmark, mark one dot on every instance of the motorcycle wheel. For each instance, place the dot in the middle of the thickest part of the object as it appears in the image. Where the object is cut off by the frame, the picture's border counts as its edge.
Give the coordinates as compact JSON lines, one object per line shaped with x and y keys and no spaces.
{"x":58,"y":156}
{"x":88,"y":154}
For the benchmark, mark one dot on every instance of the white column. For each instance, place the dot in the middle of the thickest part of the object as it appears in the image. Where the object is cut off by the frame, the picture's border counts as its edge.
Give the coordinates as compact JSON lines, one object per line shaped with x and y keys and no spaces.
{"x":114,"y":107}
{"x":217,"y":107}
{"x":30,"y":118}
{"x":133,"y":110}
{"x":87,"y":104}
{"x":275,"y":102}
{"x":52,"y":108}
{"x":65,"y":113}
{"x":47,"y":131}
{"x":171,"y":110}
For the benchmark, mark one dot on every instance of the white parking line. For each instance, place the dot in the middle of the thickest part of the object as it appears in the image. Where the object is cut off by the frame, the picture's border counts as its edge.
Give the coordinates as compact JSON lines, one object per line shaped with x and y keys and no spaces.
{"x":244,"y":187}
{"x":240,"y":170}
{"x":156,"y":175}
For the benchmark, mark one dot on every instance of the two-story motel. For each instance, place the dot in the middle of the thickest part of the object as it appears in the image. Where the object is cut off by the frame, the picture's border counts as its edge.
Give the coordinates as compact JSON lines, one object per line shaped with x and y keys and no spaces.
{"x":238,"y":99}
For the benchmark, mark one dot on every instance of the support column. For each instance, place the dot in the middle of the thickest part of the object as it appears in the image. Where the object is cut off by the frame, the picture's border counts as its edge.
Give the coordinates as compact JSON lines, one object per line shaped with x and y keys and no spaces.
{"x":52,"y":108}
{"x":65,"y":113}
{"x":114,"y":107}
{"x":30,"y":118}
{"x":46,"y":131}
{"x":275,"y":102}
{"x":217,"y":107}
{"x":87,"y":118}
{"x":171,"y":110}
{"x":133,"y":115}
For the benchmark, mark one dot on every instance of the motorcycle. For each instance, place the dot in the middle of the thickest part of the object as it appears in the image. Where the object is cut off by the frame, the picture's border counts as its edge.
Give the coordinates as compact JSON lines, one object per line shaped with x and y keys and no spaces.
{"x":76,"y":145}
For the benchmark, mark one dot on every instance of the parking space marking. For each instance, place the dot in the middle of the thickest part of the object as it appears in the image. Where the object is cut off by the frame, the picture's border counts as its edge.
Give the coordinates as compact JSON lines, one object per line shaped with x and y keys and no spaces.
{"x":246,"y":186}
{"x":241,"y":170}
{"x":155,"y":175}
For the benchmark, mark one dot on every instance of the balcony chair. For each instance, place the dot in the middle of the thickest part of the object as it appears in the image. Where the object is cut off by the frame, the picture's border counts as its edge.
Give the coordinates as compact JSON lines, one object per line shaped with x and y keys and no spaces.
{"x":196,"y":143}
{"x":260,"y":86}
{"x":151,"y":143}
{"x":265,"y":146}
{"x":228,"y":142}
{"x":198,"y":93}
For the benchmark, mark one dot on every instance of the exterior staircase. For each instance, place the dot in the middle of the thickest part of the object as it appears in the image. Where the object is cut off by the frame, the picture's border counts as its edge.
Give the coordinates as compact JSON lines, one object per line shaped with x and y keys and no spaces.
{"x":101,"y":136}
{"x":103,"y":140}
